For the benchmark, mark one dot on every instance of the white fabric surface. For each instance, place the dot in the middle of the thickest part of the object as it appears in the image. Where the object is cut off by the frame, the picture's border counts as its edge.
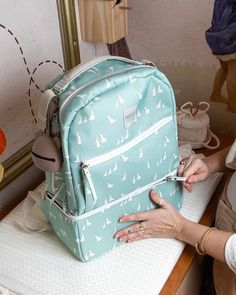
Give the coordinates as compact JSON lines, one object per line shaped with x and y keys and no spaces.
{"x":230,"y":252}
{"x":230,"y":249}
{"x":231,"y":163}
{"x":40,"y":264}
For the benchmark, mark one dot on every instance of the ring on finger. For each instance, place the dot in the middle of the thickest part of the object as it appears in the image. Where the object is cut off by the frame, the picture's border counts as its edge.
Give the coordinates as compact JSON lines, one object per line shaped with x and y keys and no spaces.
{"x":141,"y":227}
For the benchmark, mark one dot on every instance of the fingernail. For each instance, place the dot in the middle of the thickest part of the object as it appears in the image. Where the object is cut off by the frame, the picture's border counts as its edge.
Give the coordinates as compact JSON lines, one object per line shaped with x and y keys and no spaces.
{"x":122,"y":240}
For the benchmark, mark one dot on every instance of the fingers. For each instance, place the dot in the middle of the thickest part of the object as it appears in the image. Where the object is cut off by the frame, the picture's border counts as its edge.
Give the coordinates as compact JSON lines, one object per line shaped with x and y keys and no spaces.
{"x":159,"y":201}
{"x":184,"y":164}
{"x":146,"y":215}
{"x":188,"y":186}
{"x":134,"y":217}
{"x":195,"y":170}
{"x":132,"y":233}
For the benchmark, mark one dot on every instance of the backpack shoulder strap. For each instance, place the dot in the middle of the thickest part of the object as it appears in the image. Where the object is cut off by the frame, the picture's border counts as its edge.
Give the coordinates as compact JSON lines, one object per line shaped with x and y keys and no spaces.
{"x":43,"y":108}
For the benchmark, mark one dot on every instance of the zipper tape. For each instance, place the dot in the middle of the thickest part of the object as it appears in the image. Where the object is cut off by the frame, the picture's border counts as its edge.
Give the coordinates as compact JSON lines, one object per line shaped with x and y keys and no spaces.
{"x":108,"y":156}
{"x":113,"y":203}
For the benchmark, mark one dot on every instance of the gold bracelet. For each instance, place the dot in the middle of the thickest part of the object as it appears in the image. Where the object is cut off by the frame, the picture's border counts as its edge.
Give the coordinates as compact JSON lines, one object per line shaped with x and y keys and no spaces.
{"x":199,"y":246}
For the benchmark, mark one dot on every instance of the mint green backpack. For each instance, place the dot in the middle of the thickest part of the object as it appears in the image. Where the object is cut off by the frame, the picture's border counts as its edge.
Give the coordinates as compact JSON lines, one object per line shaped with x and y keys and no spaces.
{"x":110,"y":136}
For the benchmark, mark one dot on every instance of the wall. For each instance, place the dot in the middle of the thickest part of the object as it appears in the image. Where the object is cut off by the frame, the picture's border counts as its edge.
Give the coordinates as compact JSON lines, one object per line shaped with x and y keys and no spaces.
{"x":172,"y":35}
{"x":32,"y":51}
{"x":31,"y":56}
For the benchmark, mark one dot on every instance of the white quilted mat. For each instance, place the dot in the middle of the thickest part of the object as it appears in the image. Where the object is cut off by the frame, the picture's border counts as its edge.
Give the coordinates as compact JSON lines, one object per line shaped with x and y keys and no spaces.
{"x":40,"y":264}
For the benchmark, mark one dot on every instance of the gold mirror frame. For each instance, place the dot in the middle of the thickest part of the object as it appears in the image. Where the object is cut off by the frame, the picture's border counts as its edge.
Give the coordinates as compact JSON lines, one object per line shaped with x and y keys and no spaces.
{"x":21,"y":160}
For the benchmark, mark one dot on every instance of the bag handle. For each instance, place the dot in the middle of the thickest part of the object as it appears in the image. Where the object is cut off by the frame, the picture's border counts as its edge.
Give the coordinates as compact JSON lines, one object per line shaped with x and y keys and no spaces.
{"x":33,"y":198}
{"x":207,"y":145}
{"x":63,"y":83}
{"x":212,"y":135}
{"x":81,"y":68}
{"x":42,"y":115}
{"x":187,"y":108}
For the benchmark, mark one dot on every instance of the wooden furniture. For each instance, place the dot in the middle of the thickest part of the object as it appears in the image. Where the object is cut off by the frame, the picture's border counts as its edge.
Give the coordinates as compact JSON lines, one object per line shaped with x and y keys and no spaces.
{"x":103,"y":20}
{"x":189,"y":254}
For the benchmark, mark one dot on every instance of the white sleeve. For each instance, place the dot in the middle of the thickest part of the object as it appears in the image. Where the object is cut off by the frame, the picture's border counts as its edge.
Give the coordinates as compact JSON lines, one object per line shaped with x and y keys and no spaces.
{"x":231,"y":157}
{"x":230,"y":252}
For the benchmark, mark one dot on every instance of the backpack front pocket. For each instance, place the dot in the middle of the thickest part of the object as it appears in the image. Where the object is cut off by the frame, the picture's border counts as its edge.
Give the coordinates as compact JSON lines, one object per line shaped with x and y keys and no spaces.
{"x":130,"y":167}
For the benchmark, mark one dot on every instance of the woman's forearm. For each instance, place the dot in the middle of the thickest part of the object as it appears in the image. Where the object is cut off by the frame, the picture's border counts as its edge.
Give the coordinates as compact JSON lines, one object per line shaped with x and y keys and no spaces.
{"x":214,"y":245}
{"x":216,"y":162}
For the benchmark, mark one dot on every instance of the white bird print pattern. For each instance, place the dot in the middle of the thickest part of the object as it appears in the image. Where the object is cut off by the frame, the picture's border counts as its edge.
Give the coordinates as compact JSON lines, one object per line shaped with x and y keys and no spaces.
{"x":102,"y":138}
{"x":139,"y":95}
{"x":124,"y":158}
{"x":110,"y":199}
{"x":132,"y":79}
{"x":119,"y":100}
{"x":111,"y":120}
{"x":140,"y":153}
{"x":159,"y":90}
{"x":167,"y":139}
{"x":108,"y":84}
{"x":147,"y":111}
{"x":154,"y":93}
{"x":115,"y":167}
{"x":124,"y":177}
{"x":90,"y":253}
{"x":139,"y":206}
{"x":159,"y":104}
{"x":110,"y":185}
{"x":79,"y":139}
{"x":77,"y":159}
{"x":138,"y":177}
{"x":92,"y":116}
{"x":98,"y":142}
{"x":81,"y":240}
{"x":98,"y":238}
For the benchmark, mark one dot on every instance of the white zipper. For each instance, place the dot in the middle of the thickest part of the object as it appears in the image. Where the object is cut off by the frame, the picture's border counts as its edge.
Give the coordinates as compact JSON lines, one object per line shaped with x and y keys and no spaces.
{"x":124,"y":148}
{"x":67,"y":100}
{"x":119,"y":151}
{"x":170,"y":177}
{"x":90,"y":182}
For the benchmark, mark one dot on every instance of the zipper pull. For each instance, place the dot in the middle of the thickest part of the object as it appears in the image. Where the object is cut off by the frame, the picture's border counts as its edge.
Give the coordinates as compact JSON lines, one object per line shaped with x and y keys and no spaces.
{"x":176,"y":178}
{"x":85,"y":167}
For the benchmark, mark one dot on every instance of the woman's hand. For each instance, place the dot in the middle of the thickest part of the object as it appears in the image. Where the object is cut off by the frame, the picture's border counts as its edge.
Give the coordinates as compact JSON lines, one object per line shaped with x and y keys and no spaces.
{"x":165,"y":222}
{"x":195,"y":169}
